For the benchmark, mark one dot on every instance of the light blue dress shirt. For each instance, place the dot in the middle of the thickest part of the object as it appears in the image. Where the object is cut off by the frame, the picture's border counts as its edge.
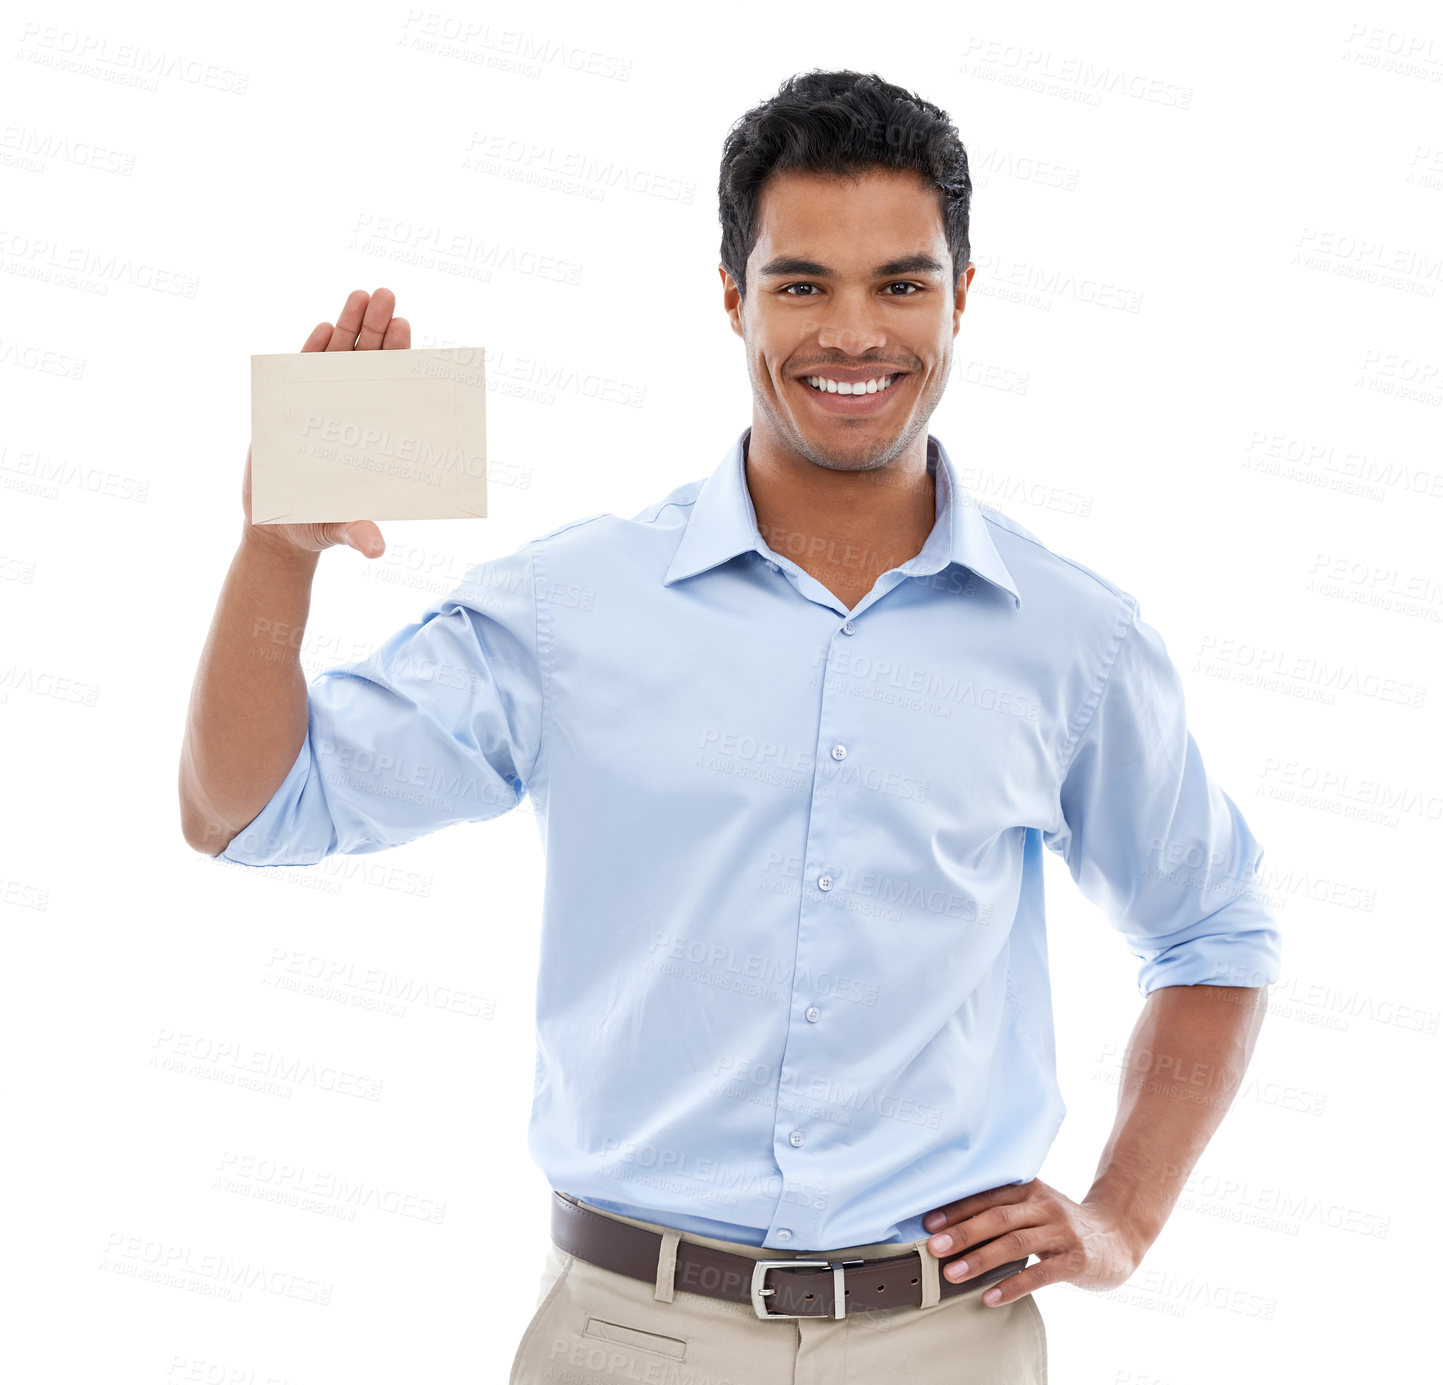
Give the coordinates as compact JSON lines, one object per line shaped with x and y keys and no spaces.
{"x":793,"y":984}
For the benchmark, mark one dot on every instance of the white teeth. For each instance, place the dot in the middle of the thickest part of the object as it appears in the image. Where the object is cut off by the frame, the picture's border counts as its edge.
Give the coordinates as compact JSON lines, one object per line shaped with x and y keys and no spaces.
{"x":820,"y":382}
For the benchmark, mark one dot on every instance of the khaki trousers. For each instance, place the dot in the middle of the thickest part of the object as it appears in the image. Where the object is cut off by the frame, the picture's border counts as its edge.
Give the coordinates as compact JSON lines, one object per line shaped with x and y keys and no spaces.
{"x":593,"y":1326}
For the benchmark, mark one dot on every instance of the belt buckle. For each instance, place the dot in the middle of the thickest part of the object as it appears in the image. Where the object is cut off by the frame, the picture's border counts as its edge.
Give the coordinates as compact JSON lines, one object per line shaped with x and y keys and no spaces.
{"x":839,"y":1292}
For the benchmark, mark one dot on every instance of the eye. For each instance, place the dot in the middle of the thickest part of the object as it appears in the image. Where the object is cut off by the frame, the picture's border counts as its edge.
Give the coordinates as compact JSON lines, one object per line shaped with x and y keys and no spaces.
{"x":912,"y":289}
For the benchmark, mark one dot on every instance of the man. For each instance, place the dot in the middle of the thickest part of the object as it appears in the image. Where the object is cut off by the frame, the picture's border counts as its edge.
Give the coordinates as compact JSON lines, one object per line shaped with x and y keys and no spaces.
{"x":795,"y":736}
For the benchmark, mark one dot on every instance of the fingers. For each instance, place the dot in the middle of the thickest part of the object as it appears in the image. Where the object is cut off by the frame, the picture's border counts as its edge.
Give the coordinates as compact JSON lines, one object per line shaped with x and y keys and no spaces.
{"x":1026,"y":1281}
{"x":987,"y":1224}
{"x":377,"y":318}
{"x":365,"y":322}
{"x":319,"y":338}
{"x":348,"y":324}
{"x":398,"y":335}
{"x":953,"y":1212}
{"x":1015,"y":1245}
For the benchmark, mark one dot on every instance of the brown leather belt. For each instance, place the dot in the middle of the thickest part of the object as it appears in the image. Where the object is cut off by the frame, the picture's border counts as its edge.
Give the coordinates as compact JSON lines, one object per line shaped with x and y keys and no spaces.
{"x":806,"y":1287}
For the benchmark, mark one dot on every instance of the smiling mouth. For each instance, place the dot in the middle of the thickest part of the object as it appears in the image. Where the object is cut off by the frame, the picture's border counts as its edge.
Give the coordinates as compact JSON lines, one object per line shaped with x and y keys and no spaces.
{"x":824,"y":385}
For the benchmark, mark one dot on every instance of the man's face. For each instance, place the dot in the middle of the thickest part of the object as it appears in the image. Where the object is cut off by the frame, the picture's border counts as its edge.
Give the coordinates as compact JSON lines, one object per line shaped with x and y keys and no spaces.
{"x":838,"y":287}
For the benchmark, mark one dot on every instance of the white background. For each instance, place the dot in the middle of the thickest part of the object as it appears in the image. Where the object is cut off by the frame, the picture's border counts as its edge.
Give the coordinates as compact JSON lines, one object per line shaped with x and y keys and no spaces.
{"x":1263,"y":184}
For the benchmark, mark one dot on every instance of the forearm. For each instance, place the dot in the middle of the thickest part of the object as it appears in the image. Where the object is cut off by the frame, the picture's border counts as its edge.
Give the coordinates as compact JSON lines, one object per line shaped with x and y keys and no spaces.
{"x":248,"y":709}
{"x":1185,"y":1061}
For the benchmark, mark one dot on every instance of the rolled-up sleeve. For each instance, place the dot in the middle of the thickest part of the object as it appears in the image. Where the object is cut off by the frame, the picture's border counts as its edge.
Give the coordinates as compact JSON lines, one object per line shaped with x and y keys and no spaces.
{"x":440,"y":725}
{"x":1152,"y":840}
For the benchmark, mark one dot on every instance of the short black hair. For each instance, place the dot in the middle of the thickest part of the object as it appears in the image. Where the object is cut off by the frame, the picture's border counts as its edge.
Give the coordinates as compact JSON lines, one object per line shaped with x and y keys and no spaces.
{"x":839,"y":123}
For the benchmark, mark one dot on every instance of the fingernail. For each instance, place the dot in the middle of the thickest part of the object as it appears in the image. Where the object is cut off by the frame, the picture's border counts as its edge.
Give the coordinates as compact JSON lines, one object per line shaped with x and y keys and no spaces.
{"x":992,"y":1295}
{"x":942,"y":1244}
{"x":956,"y":1270}
{"x":932,"y":1221}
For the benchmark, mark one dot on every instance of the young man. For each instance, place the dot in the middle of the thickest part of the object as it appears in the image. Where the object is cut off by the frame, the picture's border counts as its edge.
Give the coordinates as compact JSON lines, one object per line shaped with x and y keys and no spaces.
{"x":795,"y":736}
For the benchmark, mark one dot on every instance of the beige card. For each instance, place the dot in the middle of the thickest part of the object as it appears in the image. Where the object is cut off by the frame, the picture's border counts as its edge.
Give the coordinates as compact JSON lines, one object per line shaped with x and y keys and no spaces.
{"x":368,"y":435}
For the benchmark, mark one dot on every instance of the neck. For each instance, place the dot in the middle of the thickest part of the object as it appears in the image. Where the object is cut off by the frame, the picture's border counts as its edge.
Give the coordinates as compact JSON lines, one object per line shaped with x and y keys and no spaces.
{"x":851,"y":525}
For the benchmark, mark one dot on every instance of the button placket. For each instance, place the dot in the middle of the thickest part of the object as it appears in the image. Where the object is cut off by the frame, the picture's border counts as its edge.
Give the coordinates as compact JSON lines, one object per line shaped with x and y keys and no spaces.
{"x":814,"y":918}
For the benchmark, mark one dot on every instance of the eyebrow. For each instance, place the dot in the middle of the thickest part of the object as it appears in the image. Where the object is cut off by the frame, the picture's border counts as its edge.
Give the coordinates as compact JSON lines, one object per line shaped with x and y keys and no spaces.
{"x":793,"y":264}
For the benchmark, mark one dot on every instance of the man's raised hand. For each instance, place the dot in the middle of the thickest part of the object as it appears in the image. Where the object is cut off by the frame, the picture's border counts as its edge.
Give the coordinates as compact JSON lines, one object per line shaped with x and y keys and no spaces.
{"x":366,"y":323}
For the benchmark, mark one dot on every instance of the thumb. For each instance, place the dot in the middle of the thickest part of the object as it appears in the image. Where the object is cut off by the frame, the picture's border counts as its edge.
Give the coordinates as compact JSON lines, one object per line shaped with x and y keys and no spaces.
{"x":364,"y":537}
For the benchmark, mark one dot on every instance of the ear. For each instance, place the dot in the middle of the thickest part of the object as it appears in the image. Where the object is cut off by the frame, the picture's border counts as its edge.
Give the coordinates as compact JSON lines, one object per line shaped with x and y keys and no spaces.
{"x":731,"y":300}
{"x":960,"y":303}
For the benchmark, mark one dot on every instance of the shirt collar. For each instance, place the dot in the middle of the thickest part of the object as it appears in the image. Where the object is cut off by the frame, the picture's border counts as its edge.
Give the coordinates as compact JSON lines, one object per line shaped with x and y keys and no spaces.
{"x":723,"y":523}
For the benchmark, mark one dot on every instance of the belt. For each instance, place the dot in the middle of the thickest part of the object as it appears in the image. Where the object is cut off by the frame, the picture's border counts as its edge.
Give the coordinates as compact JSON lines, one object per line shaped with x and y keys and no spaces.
{"x":799,"y":1288}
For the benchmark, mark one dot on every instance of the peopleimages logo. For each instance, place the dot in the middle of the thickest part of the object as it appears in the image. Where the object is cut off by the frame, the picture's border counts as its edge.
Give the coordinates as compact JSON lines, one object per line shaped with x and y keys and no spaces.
{"x":927,"y":682}
{"x":723,"y":957}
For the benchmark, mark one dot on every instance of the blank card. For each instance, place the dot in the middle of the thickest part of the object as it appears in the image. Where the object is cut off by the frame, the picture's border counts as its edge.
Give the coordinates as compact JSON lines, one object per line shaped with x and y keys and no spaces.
{"x":341,"y":435}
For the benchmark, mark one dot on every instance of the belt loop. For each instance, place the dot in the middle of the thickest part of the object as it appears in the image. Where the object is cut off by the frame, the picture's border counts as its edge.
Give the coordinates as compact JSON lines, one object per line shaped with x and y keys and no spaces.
{"x":666,"y":1267}
{"x":931,"y":1272}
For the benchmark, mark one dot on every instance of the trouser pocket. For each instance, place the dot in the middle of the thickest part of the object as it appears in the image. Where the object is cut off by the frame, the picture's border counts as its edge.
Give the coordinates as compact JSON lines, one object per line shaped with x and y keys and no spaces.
{"x":654,"y":1342}
{"x":594,"y":1325}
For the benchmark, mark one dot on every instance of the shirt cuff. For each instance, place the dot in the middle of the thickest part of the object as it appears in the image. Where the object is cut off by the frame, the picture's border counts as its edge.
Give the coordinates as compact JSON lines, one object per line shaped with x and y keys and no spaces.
{"x":1239,"y":945}
{"x":276,"y":835}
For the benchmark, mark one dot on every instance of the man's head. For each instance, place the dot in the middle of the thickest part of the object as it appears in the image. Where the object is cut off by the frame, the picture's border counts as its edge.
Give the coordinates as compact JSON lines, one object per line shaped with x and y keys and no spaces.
{"x":844,"y":255}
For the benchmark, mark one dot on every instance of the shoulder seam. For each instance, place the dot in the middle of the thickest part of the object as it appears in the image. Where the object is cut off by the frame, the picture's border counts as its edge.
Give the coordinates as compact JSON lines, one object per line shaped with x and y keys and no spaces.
{"x":1126,"y":623}
{"x":1110,"y":587}
{"x":608,"y":514}
{"x":572,"y":524}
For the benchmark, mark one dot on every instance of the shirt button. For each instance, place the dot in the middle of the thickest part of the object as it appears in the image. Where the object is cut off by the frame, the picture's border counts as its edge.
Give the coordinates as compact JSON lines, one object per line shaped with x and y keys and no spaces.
{"x":784,"y":1233}
{"x":825,"y":883}
{"x":796,"y":1137}
{"x":813,"y":1013}
{"x":839,"y":752}
{"x":850,"y":628}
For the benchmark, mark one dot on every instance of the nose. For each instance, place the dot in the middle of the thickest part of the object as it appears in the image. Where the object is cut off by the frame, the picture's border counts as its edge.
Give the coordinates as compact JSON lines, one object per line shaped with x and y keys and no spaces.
{"x":852,"y":342}
{"x":850,"y":329}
